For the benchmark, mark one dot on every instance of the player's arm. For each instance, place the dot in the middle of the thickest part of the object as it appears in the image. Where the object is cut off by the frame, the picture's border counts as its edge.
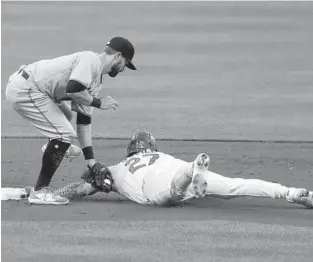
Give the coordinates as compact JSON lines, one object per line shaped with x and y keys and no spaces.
{"x":77,"y":190}
{"x":100,"y":173}
{"x":78,"y":93}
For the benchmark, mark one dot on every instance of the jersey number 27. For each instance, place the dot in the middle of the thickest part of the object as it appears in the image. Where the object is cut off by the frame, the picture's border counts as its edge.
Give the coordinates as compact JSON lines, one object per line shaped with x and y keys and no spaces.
{"x":134,"y":164}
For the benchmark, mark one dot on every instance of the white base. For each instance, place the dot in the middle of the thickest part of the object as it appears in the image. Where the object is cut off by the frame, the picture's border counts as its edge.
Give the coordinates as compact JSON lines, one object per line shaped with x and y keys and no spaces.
{"x":10,"y":193}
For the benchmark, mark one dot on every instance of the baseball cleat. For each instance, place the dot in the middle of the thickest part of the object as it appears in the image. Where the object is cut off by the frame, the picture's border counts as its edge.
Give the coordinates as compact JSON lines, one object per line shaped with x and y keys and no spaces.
{"x":46,"y":196}
{"x":72,"y":152}
{"x":200,"y":166}
{"x":300,"y":196}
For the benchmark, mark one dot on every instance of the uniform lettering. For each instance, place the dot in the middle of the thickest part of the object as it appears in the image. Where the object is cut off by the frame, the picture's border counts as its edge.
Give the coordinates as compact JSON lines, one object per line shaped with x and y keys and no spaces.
{"x":134,"y":164}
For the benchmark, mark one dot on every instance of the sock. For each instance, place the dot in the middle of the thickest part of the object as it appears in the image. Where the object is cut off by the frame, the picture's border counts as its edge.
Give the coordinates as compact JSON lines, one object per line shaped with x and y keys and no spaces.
{"x":51,"y":159}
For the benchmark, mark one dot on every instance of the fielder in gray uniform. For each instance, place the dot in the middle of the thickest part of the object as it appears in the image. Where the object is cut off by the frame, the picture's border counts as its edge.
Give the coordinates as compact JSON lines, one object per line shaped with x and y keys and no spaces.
{"x":38,"y":92}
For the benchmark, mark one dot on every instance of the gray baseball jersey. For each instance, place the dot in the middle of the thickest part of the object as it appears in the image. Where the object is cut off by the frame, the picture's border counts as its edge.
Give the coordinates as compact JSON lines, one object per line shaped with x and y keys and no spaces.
{"x":34,"y":95}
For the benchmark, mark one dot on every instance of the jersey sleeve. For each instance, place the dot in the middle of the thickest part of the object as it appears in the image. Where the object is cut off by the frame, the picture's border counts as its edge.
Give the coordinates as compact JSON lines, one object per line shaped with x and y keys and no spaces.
{"x":83,"y":70}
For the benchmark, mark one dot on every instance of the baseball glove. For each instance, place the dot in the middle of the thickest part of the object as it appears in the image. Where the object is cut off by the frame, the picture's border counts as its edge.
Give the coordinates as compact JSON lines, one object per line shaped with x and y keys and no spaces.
{"x":99,"y":176}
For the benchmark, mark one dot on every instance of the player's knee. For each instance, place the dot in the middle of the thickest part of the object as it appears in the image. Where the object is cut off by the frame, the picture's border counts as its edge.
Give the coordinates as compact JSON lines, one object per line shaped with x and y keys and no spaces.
{"x":70,"y":134}
{"x":65,"y":138}
{"x":59,"y":143}
{"x":55,"y":151}
{"x":65,"y":134}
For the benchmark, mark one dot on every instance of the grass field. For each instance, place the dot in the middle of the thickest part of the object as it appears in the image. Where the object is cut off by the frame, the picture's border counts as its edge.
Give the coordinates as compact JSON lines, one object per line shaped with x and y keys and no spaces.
{"x":207,"y":70}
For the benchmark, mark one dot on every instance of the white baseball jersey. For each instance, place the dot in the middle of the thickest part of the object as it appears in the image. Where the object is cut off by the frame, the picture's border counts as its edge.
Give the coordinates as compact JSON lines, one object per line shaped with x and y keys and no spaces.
{"x":34,"y":97}
{"x":146,"y":177}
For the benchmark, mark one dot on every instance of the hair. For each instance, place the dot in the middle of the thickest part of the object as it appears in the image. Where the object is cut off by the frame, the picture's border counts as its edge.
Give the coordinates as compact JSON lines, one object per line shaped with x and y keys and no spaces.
{"x":109,"y":50}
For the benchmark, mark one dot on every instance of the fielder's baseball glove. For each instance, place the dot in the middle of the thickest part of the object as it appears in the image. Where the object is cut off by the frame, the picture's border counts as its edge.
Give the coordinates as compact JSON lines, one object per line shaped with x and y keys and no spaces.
{"x":99,"y":176}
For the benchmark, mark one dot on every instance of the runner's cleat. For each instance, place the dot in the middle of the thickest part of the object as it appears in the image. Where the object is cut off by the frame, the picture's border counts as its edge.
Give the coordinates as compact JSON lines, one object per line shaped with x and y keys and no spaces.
{"x":200,"y":166}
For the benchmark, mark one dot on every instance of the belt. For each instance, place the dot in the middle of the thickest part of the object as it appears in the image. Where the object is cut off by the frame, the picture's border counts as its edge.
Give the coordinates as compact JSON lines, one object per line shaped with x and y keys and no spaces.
{"x":24,"y":74}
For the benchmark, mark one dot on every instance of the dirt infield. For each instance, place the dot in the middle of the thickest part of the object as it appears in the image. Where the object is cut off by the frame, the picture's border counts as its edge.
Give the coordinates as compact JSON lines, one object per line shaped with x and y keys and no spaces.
{"x":207,"y":70}
{"x":112,"y":228}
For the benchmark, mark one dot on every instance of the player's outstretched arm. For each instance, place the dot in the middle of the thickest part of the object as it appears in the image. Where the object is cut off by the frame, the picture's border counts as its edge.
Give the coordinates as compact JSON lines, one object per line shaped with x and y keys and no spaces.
{"x":77,"y":190}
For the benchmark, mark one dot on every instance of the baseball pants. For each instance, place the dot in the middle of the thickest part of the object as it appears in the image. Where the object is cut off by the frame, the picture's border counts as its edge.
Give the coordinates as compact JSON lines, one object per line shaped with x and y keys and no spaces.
{"x":38,"y":108}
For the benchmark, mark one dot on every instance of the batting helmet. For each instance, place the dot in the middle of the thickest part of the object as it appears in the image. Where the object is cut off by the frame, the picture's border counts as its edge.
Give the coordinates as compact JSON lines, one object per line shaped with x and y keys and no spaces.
{"x":140,"y":142}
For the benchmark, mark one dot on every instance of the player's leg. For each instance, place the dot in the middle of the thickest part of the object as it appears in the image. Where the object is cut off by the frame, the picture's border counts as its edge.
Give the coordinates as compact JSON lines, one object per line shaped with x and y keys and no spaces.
{"x":226,"y":187}
{"x":73,"y":151}
{"x":157,"y":187}
{"x":234,"y":187}
{"x":47,"y":117}
{"x":66,"y":109}
{"x":169,"y":184}
{"x":191,"y":175}
{"x":53,"y":124}
{"x":200,"y":181}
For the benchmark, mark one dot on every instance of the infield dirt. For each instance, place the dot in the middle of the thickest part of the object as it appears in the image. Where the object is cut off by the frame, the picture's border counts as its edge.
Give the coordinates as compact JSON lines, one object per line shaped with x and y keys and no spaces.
{"x":207,"y":70}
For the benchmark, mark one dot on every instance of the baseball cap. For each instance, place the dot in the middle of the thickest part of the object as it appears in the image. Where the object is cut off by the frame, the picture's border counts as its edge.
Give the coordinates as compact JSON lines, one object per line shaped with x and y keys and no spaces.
{"x":121,"y":44}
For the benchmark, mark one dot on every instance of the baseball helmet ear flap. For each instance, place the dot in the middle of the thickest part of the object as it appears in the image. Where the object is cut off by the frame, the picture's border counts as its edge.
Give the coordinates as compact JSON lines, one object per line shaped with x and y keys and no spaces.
{"x":152,"y":143}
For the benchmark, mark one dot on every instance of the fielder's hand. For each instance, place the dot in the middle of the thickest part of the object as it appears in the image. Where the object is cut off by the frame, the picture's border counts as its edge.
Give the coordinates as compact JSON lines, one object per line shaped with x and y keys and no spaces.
{"x":99,"y":176}
{"x":108,"y":103}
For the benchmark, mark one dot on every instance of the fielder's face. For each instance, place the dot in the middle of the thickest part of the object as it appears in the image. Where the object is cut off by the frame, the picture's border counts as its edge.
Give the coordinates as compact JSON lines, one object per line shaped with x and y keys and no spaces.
{"x":118,"y":64}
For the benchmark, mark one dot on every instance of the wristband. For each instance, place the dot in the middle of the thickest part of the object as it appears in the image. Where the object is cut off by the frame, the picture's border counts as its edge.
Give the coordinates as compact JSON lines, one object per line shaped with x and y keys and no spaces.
{"x":96,"y":102}
{"x":88,"y":152}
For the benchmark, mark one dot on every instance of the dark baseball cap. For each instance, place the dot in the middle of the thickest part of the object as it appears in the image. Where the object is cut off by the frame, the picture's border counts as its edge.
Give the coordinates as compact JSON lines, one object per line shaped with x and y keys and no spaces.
{"x":122,"y":45}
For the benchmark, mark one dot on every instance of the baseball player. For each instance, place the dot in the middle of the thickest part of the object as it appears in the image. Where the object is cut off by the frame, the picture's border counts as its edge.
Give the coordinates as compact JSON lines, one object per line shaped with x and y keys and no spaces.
{"x":153,"y":178}
{"x":39,"y":91}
